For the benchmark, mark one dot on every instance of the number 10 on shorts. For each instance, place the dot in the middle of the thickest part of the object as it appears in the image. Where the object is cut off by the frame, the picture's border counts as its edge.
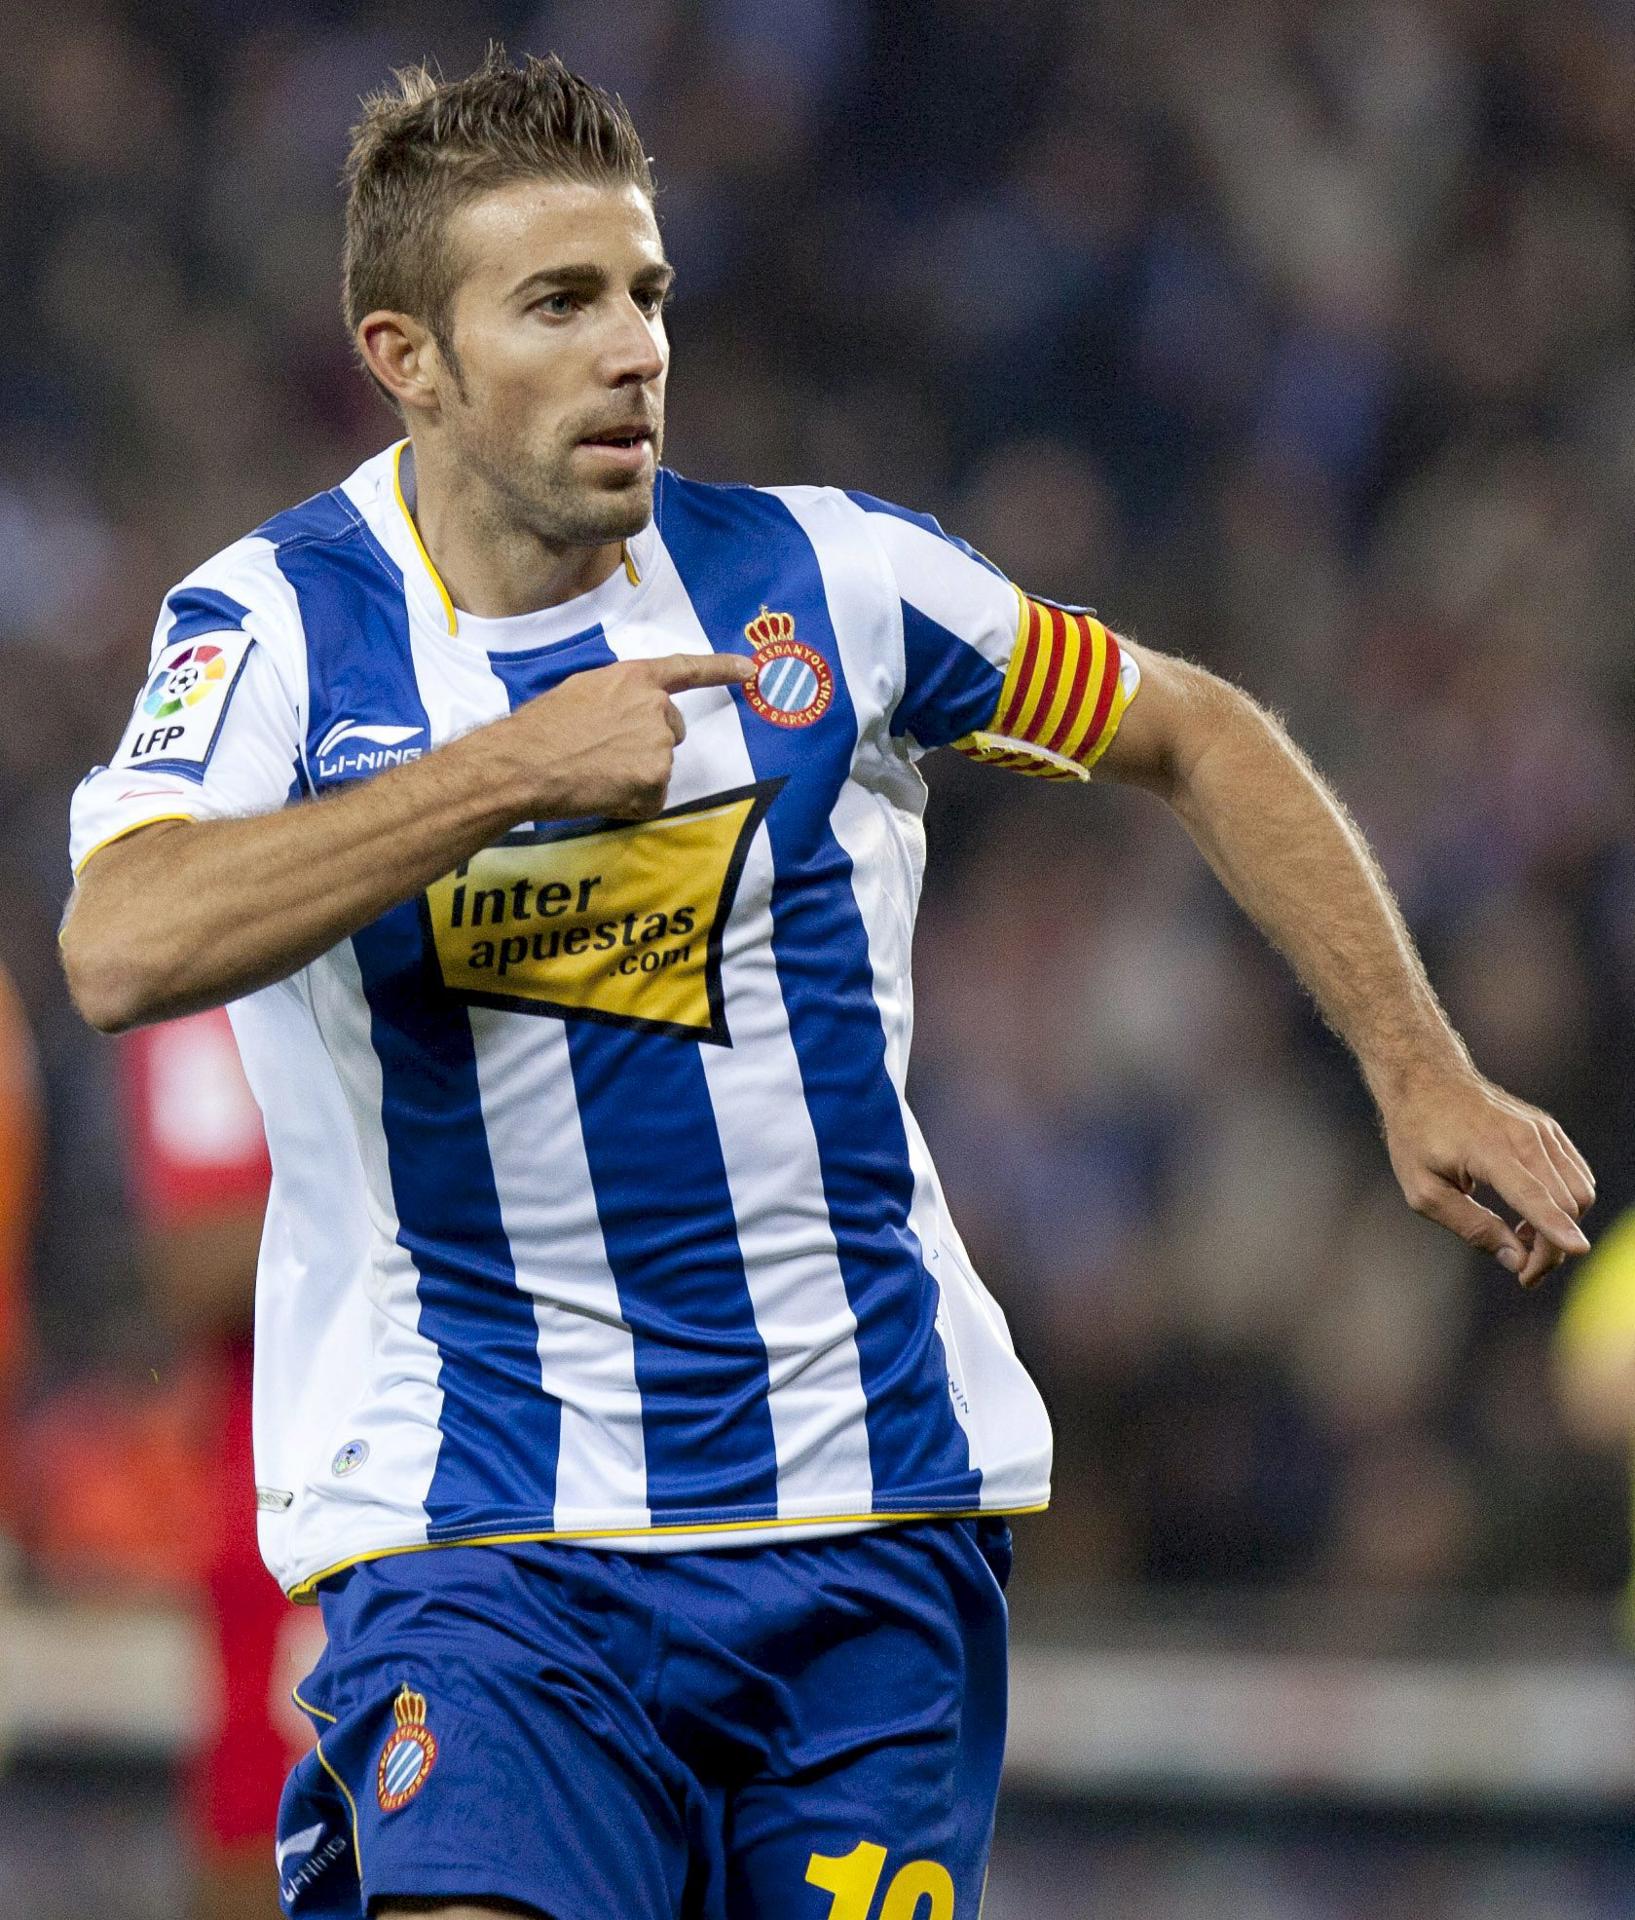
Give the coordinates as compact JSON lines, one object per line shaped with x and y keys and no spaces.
{"x":854,"y":1879}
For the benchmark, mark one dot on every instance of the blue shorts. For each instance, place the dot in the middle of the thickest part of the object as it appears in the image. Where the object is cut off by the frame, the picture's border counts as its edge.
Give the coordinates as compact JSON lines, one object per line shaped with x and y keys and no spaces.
{"x":811,"y":1731}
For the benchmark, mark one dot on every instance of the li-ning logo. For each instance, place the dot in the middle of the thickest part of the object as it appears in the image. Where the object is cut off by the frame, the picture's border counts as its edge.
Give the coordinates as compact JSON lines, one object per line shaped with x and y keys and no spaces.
{"x":319,"y":1859}
{"x":341,"y":751}
{"x":795,"y":683}
{"x":408,"y":1757}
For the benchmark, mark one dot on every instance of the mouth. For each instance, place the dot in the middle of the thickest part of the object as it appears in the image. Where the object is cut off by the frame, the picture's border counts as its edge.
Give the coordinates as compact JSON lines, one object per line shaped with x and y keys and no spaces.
{"x":625,"y":439}
{"x":619,"y":451}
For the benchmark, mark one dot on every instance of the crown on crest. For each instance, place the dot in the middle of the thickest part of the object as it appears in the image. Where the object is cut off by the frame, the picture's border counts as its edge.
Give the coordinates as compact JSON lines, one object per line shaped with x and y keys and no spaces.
{"x":767,"y":629}
{"x":410,"y":1707}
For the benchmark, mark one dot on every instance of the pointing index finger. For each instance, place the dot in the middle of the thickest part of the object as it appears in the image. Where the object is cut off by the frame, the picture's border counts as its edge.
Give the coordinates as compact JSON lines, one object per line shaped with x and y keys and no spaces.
{"x":677,"y":672}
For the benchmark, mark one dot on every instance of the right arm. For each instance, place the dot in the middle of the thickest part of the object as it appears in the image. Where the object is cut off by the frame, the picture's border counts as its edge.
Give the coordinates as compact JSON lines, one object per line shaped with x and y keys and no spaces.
{"x":182,"y":915}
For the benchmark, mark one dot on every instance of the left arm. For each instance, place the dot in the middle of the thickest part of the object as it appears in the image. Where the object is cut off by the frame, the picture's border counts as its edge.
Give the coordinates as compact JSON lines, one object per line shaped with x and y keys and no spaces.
{"x":1291,"y":856}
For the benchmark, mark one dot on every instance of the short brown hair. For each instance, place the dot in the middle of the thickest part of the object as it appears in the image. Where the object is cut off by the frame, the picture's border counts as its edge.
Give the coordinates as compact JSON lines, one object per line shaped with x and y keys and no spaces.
{"x":426,"y":146}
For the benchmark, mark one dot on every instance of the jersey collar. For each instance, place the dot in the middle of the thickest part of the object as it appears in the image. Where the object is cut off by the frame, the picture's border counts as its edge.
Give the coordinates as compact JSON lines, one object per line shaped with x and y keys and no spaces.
{"x":601,"y":606}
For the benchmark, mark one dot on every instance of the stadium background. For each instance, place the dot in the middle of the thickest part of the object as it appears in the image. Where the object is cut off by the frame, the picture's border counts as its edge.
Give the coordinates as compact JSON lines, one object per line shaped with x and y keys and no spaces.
{"x":1294,"y":337}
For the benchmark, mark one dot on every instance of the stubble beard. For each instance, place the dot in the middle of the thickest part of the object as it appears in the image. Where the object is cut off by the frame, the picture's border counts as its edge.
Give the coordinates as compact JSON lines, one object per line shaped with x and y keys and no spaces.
{"x":543,"y":493}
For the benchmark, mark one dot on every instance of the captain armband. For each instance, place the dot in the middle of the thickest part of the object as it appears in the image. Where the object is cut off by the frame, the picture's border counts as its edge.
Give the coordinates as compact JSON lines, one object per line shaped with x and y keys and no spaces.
{"x":1065,"y":692}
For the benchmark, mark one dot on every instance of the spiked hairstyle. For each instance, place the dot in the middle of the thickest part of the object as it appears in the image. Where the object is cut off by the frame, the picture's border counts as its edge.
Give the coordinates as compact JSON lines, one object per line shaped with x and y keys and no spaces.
{"x":426,"y":146}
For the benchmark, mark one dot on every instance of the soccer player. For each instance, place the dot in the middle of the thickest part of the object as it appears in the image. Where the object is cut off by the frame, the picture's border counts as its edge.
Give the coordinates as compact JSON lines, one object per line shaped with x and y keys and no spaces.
{"x":624,"y":1394}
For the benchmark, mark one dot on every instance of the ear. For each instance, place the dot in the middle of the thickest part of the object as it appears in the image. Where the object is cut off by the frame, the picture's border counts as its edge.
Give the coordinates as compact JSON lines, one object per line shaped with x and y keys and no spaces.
{"x":402,"y":355}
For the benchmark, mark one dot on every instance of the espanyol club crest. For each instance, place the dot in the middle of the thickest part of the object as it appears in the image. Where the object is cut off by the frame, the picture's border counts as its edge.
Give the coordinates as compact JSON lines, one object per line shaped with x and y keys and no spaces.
{"x":408,"y":1756}
{"x":795,"y":683}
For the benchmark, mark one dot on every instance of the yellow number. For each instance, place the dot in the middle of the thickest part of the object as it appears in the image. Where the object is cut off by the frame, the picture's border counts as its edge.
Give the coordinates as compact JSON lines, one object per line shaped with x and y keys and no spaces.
{"x":919,"y":1880}
{"x":854,"y":1878}
{"x":851,"y":1878}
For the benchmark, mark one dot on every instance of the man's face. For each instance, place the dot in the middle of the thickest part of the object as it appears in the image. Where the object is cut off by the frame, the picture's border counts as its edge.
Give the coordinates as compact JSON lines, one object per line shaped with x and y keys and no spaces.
{"x":558,"y":331}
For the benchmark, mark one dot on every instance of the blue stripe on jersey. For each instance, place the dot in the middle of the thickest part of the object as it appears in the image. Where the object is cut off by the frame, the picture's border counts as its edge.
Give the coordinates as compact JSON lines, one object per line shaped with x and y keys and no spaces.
{"x":670,"y":1232}
{"x":200,"y":610}
{"x":950,"y":689}
{"x":497,"y":1459}
{"x":870,"y":504}
{"x":736,"y":550}
{"x":672,"y":1244}
{"x":325,"y":517}
{"x":326,"y":541}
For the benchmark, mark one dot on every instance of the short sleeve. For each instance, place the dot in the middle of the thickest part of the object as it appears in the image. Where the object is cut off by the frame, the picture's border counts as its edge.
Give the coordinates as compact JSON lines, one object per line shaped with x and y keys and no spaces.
{"x":1000,"y":674}
{"x":214,"y":731}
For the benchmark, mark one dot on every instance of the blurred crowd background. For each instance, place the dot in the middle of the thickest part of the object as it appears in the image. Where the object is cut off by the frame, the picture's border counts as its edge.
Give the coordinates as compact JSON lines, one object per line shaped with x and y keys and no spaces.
{"x":1295,"y":337}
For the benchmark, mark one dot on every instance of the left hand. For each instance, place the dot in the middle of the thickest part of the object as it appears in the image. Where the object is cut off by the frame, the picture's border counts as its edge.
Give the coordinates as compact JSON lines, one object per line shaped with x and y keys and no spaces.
{"x":1453,"y":1132}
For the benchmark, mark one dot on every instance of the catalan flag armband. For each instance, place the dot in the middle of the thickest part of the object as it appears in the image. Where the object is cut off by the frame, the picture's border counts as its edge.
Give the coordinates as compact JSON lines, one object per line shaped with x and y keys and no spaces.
{"x":1064,"y":694}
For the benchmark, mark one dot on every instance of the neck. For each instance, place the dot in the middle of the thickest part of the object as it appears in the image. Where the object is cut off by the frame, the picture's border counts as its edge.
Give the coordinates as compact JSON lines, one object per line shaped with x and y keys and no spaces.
{"x":490,"y":564}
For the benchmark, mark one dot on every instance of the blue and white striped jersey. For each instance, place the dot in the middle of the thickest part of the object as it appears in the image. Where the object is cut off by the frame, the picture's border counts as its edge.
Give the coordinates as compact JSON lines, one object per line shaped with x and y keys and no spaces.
{"x":598,"y":1211}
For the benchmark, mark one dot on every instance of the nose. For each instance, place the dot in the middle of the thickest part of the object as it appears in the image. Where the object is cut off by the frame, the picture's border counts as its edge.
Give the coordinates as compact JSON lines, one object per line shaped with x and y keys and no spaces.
{"x":636,"y":349}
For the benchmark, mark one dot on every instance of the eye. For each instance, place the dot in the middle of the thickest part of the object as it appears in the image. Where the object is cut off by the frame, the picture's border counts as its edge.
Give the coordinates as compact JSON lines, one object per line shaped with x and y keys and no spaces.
{"x":558,"y":305}
{"x":651,"y":299}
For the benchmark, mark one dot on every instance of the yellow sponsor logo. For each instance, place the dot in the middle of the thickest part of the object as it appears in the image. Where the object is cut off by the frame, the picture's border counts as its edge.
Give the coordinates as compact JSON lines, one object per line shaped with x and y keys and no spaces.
{"x":621,"y":924}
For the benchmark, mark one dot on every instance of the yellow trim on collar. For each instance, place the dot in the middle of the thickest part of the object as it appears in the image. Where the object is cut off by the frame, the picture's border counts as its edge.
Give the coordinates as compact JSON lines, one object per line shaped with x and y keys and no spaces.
{"x":449,"y":613}
{"x":305,"y":1592}
{"x":420,"y":545}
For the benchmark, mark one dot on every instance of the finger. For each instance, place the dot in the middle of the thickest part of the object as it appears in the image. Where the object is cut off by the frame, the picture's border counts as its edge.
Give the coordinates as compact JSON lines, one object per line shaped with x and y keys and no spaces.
{"x":677,"y":672}
{"x":1520,"y":1187}
{"x":1534,"y":1157}
{"x":1542,"y":1258}
{"x":1559,"y":1136}
{"x":673,"y":719}
{"x":1581,"y":1188}
{"x":1475,"y":1224}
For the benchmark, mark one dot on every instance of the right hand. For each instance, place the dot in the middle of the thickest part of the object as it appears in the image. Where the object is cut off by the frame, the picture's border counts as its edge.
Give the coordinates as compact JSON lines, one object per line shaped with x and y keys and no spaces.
{"x":603,"y":743}
{"x":1452,"y":1133}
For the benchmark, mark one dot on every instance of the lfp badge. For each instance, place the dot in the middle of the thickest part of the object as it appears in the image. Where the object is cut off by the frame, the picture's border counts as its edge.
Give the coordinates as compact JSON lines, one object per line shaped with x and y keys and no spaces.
{"x":408,"y":1756}
{"x":183,"y":681}
{"x":795,"y":683}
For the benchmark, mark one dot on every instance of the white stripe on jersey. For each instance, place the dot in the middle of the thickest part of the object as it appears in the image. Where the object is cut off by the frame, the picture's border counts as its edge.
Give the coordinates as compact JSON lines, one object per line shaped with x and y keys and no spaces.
{"x":310,"y":1298}
{"x":816,"y":1398}
{"x":881,"y":841}
{"x":587,"y":1356}
{"x":536,"y":1149}
{"x":253,"y":576}
{"x":394,"y":1404}
{"x":944,"y":583}
{"x":994,"y":1394}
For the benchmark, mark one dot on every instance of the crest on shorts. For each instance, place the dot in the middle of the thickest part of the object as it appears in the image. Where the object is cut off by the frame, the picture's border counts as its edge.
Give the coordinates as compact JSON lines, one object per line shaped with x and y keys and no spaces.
{"x":795,"y":684}
{"x":408,"y":1756}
